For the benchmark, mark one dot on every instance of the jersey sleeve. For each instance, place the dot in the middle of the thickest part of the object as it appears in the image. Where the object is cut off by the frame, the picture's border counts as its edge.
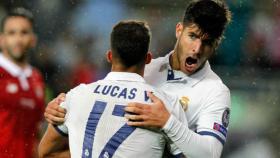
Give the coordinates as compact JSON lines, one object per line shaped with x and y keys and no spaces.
{"x":214,"y":119}
{"x":176,"y":111}
{"x":209,"y":139}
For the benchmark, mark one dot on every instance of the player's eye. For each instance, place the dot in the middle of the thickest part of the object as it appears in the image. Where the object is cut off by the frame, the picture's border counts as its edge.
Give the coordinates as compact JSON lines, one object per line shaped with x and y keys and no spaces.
{"x":11,"y":32}
{"x":25,"y":32}
{"x":193,"y":36}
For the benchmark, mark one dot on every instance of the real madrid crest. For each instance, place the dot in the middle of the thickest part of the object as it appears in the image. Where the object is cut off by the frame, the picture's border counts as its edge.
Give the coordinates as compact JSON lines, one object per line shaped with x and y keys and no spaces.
{"x":184,"y":101}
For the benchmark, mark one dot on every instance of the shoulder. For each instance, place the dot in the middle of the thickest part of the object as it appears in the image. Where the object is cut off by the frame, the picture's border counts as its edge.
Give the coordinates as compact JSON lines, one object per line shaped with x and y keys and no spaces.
{"x":83,"y":89}
{"x":216,"y":93}
{"x":36,"y":73}
{"x":156,"y":70}
{"x":80,"y":89}
{"x":215,"y":82}
{"x":155,"y":64}
{"x":3,"y":72}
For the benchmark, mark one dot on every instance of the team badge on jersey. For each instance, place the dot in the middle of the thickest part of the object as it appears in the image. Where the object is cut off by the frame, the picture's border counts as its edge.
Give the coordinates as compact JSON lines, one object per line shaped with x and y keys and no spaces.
{"x":39,"y":92}
{"x":184,"y":101}
{"x":225,"y":118}
{"x":12,"y":88}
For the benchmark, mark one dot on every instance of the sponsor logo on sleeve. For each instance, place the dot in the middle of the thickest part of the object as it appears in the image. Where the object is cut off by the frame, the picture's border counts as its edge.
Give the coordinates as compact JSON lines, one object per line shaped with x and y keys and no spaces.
{"x":220,"y":128}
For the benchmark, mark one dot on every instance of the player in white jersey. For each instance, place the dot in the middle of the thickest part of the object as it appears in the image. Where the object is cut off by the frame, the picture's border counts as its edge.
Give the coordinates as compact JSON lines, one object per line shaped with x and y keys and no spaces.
{"x":185,"y":72}
{"x":95,"y":122}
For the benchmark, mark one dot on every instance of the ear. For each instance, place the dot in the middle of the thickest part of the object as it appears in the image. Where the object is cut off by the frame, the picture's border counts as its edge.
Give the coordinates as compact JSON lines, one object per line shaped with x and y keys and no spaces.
{"x":34,"y":41}
{"x":179,"y":29}
{"x":1,"y":40}
{"x":148,"y":58}
{"x":109,"y":56}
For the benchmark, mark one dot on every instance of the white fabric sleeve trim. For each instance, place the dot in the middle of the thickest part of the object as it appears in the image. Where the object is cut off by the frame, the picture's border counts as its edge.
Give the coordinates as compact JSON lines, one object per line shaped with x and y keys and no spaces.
{"x":191,"y":143}
{"x":62,"y":130}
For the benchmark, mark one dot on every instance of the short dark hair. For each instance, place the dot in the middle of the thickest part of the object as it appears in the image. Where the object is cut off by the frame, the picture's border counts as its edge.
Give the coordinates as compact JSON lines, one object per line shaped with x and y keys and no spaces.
{"x":17,"y":12}
{"x":130,"y":42}
{"x":209,"y":15}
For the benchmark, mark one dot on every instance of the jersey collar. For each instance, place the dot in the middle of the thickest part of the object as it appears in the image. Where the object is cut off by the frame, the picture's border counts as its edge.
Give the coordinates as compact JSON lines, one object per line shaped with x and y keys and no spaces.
{"x":178,"y":76}
{"x":124,"y":76}
{"x":13,"y":69}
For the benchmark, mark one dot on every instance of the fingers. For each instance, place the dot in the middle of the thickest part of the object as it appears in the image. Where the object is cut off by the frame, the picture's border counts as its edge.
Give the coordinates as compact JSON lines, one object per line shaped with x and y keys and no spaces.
{"x":134,"y":110}
{"x":138,"y":124}
{"x":55,"y":114}
{"x":154,"y":115}
{"x":136,"y":120}
{"x":53,"y":108}
{"x":61,"y":110}
{"x":53,"y":120}
{"x":60,"y":98}
{"x":135,"y":117}
{"x":137,"y":105}
{"x":153,"y":97}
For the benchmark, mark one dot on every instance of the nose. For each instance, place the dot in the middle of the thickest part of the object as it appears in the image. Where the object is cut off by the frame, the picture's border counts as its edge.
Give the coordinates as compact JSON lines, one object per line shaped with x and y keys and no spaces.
{"x":19,"y":38}
{"x":197,"y":46}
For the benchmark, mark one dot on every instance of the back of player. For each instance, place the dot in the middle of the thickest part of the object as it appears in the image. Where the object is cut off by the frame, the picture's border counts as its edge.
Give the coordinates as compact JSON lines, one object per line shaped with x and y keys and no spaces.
{"x":96,"y":124}
{"x":95,"y":113}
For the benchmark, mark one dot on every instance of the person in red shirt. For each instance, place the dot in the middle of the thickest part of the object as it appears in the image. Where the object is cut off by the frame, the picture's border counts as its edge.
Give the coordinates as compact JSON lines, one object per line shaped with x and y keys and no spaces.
{"x":21,"y":87}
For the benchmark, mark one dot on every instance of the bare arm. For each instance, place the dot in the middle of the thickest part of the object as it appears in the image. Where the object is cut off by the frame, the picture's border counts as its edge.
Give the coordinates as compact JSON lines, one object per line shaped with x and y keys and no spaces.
{"x":53,"y":144}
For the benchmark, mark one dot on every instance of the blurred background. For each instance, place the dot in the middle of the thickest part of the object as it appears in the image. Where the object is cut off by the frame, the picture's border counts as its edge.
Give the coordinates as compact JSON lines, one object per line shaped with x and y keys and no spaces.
{"x":74,"y":37}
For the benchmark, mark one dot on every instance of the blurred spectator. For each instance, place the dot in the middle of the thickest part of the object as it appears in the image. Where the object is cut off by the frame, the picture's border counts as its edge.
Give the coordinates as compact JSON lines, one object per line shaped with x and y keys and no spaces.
{"x":230,"y":52}
{"x":259,"y":36}
{"x":84,"y":71}
{"x":262,"y":43}
{"x":22,"y":88}
{"x":255,"y":149}
{"x":274,"y":42}
{"x":96,"y":19}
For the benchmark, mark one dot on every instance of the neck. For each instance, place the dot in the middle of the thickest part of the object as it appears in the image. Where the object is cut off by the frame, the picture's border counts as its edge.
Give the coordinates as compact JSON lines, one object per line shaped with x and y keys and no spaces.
{"x":174,"y":62}
{"x":132,"y":69}
{"x":21,"y":63}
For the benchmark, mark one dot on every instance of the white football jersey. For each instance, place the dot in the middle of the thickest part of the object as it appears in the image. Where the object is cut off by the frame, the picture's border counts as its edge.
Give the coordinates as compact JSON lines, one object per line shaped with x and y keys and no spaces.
{"x":95,"y":121}
{"x":203,"y":95}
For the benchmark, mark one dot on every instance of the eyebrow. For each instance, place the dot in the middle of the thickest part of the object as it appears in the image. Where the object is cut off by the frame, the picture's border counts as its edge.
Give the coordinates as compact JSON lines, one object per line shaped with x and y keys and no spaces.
{"x":200,"y":35}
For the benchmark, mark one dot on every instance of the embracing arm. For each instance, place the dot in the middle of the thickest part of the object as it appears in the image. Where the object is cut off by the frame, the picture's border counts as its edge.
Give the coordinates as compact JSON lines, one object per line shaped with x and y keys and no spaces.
{"x":190,"y":143}
{"x":53,"y":144}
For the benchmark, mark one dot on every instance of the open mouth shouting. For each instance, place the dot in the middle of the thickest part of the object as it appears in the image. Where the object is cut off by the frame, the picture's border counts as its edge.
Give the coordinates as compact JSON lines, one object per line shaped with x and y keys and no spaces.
{"x":191,"y":64}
